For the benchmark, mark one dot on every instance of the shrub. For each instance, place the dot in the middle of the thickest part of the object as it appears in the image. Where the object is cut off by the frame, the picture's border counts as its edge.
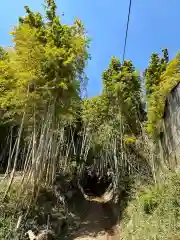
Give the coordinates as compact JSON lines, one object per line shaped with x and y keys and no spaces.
{"x":155,"y":212}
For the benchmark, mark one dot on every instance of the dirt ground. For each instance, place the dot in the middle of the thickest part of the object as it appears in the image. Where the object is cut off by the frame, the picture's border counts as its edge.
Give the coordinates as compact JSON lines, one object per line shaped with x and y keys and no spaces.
{"x":99,"y":223}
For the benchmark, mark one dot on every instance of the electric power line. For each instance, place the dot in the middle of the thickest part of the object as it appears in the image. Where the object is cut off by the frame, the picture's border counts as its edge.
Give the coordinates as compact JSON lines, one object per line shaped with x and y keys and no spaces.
{"x":127,"y":28}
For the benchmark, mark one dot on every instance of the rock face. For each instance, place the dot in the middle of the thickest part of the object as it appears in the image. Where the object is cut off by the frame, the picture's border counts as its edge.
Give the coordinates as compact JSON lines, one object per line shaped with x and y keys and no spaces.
{"x":45,"y":235}
{"x":170,"y":135}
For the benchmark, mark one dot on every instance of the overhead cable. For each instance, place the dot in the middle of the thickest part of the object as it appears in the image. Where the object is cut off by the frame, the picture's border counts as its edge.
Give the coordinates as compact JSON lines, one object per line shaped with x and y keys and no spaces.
{"x":127,"y":28}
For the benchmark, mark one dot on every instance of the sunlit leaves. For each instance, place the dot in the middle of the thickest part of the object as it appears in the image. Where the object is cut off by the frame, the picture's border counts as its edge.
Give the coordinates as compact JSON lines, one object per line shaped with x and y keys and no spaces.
{"x":47,"y":63}
{"x":156,"y":100}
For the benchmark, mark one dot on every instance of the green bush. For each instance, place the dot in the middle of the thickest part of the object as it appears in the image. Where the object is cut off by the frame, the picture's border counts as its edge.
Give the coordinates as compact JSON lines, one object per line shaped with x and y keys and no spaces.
{"x":155,"y":212}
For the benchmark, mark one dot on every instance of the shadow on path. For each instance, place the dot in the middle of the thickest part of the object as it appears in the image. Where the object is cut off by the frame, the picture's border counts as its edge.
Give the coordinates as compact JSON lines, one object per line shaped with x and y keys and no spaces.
{"x":95,"y":218}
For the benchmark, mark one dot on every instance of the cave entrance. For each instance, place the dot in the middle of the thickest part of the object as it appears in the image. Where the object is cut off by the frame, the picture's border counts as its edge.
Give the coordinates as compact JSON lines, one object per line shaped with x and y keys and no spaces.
{"x":95,"y":185}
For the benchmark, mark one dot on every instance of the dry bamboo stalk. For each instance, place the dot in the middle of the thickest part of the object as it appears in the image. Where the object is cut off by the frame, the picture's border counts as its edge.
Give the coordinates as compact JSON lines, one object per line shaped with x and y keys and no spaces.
{"x":16,"y":158}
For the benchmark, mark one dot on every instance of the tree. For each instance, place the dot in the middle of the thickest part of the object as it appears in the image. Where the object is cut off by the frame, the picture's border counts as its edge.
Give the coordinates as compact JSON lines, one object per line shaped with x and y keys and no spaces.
{"x":153,"y":79}
{"x":156,"y":100}
{"x":152,"y":73}
{"x":45,"y":66}
{"x":3,"y":54}
{"x":123,"y":88}
{"x":118,"y":112}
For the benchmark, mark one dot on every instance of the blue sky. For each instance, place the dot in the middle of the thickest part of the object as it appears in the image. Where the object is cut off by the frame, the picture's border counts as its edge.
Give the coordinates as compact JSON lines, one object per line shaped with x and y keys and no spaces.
{"x":154,"y":24}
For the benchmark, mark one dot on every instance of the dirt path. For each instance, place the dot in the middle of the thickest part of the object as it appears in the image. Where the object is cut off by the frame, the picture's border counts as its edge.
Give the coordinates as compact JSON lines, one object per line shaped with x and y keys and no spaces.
{"x":99,"y":223}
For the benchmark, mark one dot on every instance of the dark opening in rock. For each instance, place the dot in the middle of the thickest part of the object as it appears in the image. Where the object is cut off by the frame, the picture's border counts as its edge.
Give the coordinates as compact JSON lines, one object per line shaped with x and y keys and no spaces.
{"x":95,"y":185}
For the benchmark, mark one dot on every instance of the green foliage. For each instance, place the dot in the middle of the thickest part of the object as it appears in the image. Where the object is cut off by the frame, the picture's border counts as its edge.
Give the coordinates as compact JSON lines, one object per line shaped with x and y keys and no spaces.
{"x":154,"y":213}
{"x":123,"y":89}
{"x":95,"y":111}
{"x":113,"y":119}
{"x":151,"y":198}
{"x":152,"y":74}
{"x":17,"y":204}
{"x":120,"y":100}
{"x":46,"y":65}
{"x":156,"y":100}
{"x":3,"y":54}
{"x":10,"y":211}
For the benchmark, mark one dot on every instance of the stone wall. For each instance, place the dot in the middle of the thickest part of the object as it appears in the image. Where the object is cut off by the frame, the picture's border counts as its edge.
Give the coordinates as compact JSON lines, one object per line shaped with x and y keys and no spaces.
{"x":170,"y":138}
